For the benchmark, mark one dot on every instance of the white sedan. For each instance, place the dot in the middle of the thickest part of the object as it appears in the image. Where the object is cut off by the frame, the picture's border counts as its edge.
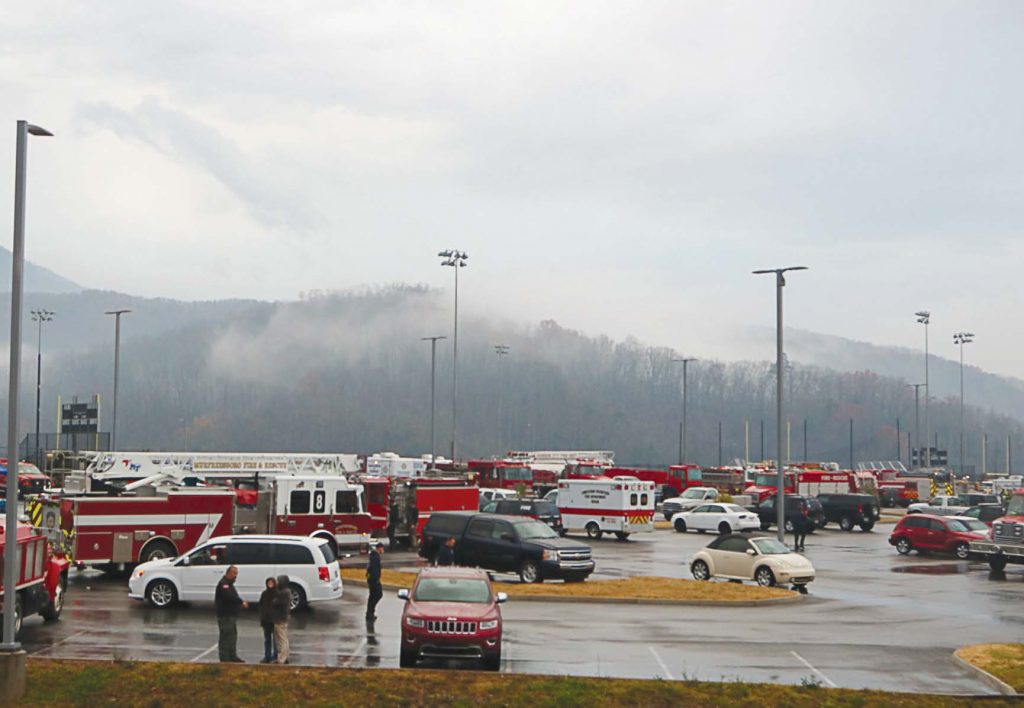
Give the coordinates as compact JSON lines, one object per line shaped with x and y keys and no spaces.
{"x":764,"y":560}
{"x":721,"y":518}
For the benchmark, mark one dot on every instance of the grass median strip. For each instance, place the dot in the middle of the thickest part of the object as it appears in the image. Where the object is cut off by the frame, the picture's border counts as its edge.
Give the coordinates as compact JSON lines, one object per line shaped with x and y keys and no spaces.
{"x":638,"y":588}
{"x":1004,"y":661}
{"x":94,"y":683}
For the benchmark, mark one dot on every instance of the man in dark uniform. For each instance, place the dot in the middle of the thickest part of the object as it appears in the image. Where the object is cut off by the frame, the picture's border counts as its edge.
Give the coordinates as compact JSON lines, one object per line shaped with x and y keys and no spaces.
{"x":446,"y":556}
{"x":228,"y":603}
{"x":373,"y":582}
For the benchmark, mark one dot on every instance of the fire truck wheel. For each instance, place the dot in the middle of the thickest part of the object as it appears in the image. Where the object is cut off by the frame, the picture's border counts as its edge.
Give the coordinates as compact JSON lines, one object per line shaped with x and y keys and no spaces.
{"x":700,"y":570}
{"x":298,"y":601}
{"x":724,"y":528}
{"x":903,"y":546}
{"x":161,"y":594}
{"x":594,"y":531}
{"x":962,"y":551}
{"x":680,"y":525}
{"x":846,"y":523}
{"x":53,"y":610}
{"x":997,"y":563}
{"x":764,"y":577}
{"x":529,"y":573}
{"x":157,"y":550}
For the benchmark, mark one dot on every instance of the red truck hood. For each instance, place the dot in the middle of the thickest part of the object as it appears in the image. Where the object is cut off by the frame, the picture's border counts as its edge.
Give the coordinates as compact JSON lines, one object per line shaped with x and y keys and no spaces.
{"x":444,"y":610}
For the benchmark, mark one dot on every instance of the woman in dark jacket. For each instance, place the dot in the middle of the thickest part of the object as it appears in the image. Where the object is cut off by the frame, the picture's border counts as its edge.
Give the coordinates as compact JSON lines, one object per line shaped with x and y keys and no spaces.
{"x":267,"y":600}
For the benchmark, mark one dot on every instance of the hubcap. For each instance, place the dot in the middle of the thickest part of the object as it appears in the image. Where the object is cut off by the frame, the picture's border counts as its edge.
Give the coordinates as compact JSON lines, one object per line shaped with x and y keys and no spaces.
{"x":700,"y":571}
{"x":763,"y":577}
{"x":529,"y":573}
{"x":58,"y":597}
{"x":295,"y":599}
{"x":161,"y":595}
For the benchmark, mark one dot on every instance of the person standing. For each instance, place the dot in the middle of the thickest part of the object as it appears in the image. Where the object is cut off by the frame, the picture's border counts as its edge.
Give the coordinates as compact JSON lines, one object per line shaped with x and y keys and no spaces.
{"x":446,"y":556}
{"x":267,"y":623}
{"x":373,"y":582}
{"x":280,"y":613}
{"x":227,"y":604}
{"x":801,"y":525}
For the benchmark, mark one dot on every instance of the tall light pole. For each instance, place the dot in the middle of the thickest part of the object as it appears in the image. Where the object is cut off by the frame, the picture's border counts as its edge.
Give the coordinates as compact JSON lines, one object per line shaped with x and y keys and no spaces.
{"x":13,"y":657}
{"x":924,"y":317}
{"x":40,"y":316}
{"x":962,"y":338}
{"x":917,"y":425}
{"x":502,"y":351}
{"x":457,"y":260}
{"x":780,"y":282}
{"x":433,"y":369}
{"x":685,"y":361}
{"x":117,"y":367}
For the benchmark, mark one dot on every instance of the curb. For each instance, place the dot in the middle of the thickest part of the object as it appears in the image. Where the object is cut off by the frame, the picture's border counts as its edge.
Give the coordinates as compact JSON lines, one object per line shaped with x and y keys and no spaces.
{"x":996,"y":683}
{"x":797,"y":597}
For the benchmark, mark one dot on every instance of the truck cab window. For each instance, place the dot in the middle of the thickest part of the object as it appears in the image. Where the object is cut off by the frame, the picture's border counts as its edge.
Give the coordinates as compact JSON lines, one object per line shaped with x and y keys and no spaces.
{"x":298,"y":502}
{"x":346,"y":502}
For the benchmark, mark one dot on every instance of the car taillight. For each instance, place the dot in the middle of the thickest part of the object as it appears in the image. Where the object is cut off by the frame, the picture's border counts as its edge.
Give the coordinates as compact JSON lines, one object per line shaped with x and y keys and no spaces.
{"x":860,"y":509}
{"x":325,"y":573}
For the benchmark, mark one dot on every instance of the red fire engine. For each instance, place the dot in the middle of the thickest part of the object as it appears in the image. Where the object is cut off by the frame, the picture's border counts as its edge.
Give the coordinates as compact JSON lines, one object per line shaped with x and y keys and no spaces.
{"x":400,"y":507}
{"x":42,"y":579}
{"x":809,"y":482}
{"x":502,"y":474}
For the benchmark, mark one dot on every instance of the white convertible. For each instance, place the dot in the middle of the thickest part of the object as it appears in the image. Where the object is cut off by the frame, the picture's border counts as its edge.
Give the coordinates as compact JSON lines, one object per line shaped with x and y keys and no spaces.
{"x":720,"y":518}
{"x":762,"y":559}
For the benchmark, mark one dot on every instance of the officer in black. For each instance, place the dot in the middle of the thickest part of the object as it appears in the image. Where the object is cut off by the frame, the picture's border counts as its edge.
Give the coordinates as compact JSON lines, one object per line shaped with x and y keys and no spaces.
{"x":373,"y":582}
{"x":446,"y":555}
{"x":227,"y":604}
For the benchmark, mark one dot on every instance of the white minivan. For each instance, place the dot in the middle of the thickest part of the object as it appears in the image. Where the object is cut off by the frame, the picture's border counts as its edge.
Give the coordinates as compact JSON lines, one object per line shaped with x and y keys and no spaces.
{"x":309,"y":563}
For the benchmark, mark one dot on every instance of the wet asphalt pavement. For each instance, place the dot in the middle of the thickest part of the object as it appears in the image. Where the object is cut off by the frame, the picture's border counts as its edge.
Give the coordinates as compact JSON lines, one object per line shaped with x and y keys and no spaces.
{"x":874,"y":619}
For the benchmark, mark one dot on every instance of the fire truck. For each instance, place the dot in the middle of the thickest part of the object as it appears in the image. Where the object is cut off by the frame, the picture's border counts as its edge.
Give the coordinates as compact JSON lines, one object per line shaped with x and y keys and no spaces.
{"x":119,"y":522}
{"x":400,"y":506}
{"x":389,"y":464}
{"x":801,"y":481}
{"x":503,"y":474}
{"x":1005,"y":543}
{"x":42,"y":580}
{"x":549,"y":466}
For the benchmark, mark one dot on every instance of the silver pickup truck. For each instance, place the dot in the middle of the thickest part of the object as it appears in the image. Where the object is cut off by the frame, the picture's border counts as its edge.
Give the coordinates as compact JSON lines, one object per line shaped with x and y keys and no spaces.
{"x":940,"y":506}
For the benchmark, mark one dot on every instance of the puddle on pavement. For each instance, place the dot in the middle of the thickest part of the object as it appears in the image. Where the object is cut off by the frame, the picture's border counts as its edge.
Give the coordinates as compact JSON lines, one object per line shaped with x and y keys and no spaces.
{"x":936,"y":569}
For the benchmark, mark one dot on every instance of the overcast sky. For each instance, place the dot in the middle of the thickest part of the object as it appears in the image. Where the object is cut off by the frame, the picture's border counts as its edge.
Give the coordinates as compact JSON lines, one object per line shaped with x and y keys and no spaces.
{"x":618,"y":167}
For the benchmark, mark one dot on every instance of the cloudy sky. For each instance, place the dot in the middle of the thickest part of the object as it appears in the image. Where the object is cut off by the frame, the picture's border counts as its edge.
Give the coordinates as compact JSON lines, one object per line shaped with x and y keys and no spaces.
{"x":619,"y":167}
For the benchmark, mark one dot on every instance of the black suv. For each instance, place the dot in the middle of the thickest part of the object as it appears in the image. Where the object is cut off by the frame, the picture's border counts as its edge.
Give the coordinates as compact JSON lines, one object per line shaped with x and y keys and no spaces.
{"x":985,"y":512}
{"x":539,"y":509}
{"x":795,"y":505}
{"x":850,"y":510}
{"x":507,"y":544}
{"x":977,"y":498}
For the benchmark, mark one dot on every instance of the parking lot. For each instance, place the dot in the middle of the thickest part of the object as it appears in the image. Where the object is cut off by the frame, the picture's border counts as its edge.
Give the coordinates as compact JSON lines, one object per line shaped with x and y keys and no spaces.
{"x":873,"y":619}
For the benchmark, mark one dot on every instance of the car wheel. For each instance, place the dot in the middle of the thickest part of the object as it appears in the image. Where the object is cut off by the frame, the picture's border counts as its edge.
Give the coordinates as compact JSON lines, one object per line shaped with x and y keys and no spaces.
{"x":594,"y":531}
{"x":680,"y":525}
{"x":867,"y":526}
{"x":529,"y":573}
{"x":765,"y":525}
{"x":407,"y":658}
{"x":52,"y":611}
{"x":765,"y":577}
{"x":668,"y":517}
{"x":298,"y":599}
{"x":846,"y":523}
{"x":161,"y":594}
{"x":903,"y":546}
{"x":157,"y":550}
{"x":802,"y":589}
{"x":700,"y":570}
{"x":789,"y":526}
{"x":492,"y":662}
{"x":997,"y":563}
{"x":563,"y":531}
{"x":962,"y":551}
{"x":724,"y":528}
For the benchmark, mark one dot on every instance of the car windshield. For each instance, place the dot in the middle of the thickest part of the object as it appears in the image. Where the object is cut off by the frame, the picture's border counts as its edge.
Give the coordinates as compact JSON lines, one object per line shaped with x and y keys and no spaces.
{"x":769,"y":546}
{"x":517,"y":473}
{"x":693,"y":494}
{"x":956,"y":525}
{"x":545,"y":508}
{"x":1016,"y":507}
{"x":766,"y":480}
{"x":534,"y":529}
{"x":974,"y":525}
{"x":452,"y":590}
{"x":733,"y":508}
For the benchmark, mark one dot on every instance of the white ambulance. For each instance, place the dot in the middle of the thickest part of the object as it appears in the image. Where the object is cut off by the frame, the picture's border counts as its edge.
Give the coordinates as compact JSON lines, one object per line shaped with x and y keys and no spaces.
{"x":623,"y":505}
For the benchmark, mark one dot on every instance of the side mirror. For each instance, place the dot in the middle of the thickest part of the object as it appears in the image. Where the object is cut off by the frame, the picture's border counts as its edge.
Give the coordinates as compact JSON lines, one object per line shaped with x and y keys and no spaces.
{"x":186,"y":561}
{"x":751,"y":552}
{"x":501,"y":597}
{"x":404,"y":595}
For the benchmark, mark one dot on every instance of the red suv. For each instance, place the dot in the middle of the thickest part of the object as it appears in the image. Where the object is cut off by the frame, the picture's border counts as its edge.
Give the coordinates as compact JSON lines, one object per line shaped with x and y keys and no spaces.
{"x":452,"y":613}
{"x":925,"y":532}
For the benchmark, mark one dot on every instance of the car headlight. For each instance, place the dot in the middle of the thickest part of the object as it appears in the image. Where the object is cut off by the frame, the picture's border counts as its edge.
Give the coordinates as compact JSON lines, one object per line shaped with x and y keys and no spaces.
{"x":489,"y":624}
{"x":414,"y":621}
{"x":549,"y":555}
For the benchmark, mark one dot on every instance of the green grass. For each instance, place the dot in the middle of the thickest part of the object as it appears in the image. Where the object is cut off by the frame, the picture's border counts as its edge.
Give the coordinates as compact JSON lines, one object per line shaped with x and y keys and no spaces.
{"x":152,"y":684}
{"x":1004,"y":661}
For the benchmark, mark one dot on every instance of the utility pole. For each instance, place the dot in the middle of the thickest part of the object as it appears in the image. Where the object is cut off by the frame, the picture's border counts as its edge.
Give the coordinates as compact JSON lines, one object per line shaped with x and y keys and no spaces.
{"x":40,"y":316}
{"x":502,"y":351}
{"x":917,"y":427}
{"x":457,"y":260}
{"x":924,"y":317}
{"x":685,"y":361}
{"x":962,"y":338}
{"x":117,"y":367}
{"x":433,"y":369}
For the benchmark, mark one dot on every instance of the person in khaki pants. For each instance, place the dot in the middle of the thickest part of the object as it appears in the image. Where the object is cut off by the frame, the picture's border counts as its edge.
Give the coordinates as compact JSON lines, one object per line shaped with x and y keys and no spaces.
{"x":280,"y":613}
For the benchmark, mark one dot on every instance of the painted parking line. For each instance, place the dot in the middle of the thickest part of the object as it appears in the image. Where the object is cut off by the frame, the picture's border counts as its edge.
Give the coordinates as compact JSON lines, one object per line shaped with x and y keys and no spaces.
{"x":820,"y":675}
{"x":668,"y":674}
{"x":57,"y":644}
{"x":200,"y":656}
{"x":355,"y":654}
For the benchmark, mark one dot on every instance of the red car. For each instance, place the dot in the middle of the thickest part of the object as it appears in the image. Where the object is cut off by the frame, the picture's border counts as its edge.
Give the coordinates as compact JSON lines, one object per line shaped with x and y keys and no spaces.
{"x":452,"y":613}
{"x":925,"y":532}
